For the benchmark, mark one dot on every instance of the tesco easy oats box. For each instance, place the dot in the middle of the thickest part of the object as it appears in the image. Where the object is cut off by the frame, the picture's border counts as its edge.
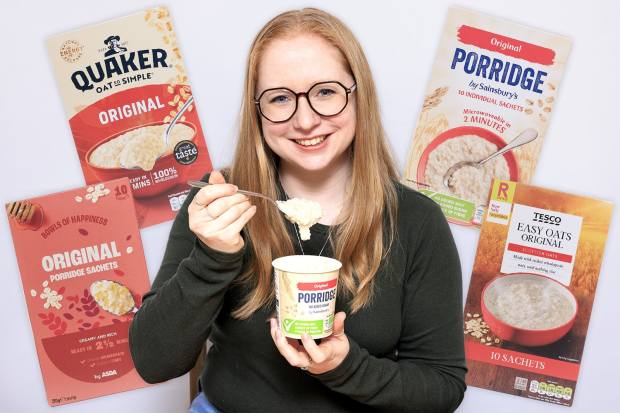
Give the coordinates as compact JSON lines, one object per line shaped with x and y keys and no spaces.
{"x":532,"y":289}
{"x":84,"y":274}
{"x":493,"y":86}
{"x":123,"y":83}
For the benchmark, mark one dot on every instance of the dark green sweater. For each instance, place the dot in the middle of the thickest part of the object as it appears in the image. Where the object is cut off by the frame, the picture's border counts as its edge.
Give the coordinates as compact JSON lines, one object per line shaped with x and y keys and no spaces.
{"x":406,"y":348}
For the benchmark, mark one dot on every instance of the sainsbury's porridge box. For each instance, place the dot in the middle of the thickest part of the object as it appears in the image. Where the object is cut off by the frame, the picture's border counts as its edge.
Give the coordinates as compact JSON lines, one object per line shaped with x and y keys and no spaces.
{"x":531,"y":291}
{"x":122,"y":83}
{"x":493,"y":85}
{"x":83,"y":273}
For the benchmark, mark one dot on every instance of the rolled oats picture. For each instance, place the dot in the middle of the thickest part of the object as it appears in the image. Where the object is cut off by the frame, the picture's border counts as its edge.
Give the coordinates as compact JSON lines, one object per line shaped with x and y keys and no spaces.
{"x":113,"y":297}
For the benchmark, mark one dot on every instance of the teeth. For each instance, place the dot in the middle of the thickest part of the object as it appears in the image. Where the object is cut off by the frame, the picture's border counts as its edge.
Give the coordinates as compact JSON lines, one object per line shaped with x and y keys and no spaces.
{"x":310,"y":142}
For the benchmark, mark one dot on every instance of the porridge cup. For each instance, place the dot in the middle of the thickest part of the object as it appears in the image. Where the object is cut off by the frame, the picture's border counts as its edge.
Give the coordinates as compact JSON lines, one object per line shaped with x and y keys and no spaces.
{"x":166,"y":168}
{"x":531,"y":337}
{"x":306,"y":289}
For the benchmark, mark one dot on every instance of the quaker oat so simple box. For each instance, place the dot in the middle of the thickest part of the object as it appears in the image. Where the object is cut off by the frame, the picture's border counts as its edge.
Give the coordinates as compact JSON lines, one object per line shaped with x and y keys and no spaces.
{"x":122,"y":82}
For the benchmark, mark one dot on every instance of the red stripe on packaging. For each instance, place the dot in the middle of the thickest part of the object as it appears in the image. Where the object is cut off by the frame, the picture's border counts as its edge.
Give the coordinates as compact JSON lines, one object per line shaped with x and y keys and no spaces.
{"x":506,"y":45}
{"x":540,"y":253}
{"x":324,"y":285}
{"x":521,"y":361}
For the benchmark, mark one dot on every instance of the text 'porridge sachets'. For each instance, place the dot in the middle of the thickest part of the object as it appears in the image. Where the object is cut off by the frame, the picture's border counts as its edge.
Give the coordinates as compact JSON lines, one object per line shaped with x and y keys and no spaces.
{"x":122,"y":83}
{"x":493,"y":82}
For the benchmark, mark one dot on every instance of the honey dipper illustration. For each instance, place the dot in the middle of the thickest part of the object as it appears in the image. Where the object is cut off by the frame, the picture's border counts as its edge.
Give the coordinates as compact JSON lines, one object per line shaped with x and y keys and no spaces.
{"x":25,"y":213}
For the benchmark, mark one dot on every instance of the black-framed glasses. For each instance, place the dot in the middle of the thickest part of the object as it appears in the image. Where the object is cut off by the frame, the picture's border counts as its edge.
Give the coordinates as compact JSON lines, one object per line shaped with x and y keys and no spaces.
{"x":278,"y":105}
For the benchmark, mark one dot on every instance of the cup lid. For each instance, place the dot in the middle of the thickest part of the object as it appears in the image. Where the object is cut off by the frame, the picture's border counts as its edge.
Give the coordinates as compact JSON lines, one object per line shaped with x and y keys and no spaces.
{"x":306,"y":264}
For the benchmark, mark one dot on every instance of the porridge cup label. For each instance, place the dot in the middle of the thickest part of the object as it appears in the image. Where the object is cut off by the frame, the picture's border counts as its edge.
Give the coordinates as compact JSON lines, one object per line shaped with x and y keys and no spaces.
{"x":492,"y":79}
{"x":122,"y":82}
{"x":305,"y":302}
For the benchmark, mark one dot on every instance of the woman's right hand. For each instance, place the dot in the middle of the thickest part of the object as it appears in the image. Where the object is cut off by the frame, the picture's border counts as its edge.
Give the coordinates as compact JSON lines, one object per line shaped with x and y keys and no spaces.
{"x":217,"y":214}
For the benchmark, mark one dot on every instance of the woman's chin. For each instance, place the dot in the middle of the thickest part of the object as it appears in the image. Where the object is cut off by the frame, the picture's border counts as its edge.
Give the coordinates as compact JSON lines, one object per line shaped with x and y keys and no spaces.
{"x":312,"y":167}
{"x":313,"y":164}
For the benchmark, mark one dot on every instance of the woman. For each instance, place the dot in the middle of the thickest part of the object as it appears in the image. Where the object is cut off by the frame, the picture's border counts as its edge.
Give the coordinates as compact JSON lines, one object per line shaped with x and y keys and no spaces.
{"x":310,"y":129}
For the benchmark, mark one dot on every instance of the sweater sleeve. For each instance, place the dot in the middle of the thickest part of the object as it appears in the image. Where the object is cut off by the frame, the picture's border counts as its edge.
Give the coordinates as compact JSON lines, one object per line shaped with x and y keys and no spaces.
{"x":429,"y":372}
{"x":174,"y":321}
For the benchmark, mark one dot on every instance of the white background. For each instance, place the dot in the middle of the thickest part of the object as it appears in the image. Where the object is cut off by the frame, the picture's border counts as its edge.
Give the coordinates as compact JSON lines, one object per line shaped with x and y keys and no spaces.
{"x":580,"y":153}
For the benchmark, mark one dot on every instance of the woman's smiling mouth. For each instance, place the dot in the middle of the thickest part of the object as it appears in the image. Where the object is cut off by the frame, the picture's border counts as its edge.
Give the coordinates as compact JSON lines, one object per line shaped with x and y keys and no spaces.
{"x":309,"y":142}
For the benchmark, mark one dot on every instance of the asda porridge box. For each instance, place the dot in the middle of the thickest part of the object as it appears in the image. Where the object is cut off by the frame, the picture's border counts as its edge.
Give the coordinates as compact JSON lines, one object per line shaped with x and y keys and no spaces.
{"x":123,"y":83}
{"x":83,"y":274}
{"x":493,"y":86}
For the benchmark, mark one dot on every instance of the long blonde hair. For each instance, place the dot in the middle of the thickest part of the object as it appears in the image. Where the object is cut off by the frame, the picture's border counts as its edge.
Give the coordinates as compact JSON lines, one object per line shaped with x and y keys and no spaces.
{"x":367,"y":230}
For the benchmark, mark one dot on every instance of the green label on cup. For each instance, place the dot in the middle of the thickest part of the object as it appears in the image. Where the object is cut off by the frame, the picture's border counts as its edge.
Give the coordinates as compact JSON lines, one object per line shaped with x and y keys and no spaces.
{"x":453,"y":208}
{"x":329,"y":323}
{"x":312,"y":327}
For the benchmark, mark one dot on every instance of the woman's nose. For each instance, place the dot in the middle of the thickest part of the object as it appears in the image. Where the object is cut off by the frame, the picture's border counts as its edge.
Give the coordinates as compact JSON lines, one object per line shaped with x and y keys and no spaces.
{"x":305,"y":118}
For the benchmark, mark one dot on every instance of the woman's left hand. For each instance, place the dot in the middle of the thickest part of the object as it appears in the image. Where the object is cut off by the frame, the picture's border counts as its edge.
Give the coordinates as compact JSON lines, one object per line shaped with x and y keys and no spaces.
{"x":315,"y":358}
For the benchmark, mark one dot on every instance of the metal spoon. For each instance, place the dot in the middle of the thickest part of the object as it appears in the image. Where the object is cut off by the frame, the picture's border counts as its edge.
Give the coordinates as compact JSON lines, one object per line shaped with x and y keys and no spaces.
{"x":524,"y":137}
{"x":174,"y":120}
{"x":278,"y":204}
{"x":201,"y":184}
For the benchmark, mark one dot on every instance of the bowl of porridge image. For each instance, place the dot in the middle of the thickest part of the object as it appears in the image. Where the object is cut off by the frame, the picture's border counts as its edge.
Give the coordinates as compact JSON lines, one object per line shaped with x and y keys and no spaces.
{"x":528,"y":309}
{"x":141,"y":154}
{"x":466,"y":143}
